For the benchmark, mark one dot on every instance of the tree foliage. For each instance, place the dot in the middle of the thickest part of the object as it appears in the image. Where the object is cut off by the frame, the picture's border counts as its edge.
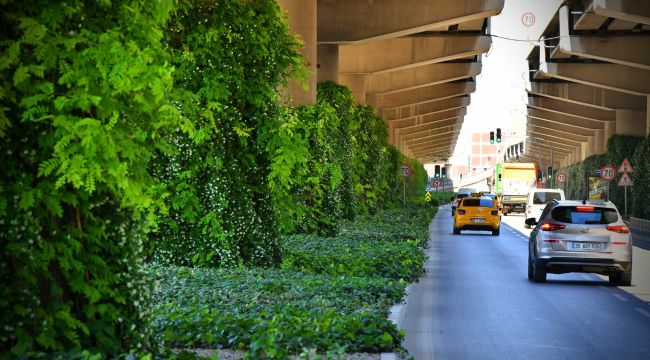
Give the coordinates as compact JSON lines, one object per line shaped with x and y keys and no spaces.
{"x":83,"y":88}
{"x":331,"y":161}
{"x":231,"y":57}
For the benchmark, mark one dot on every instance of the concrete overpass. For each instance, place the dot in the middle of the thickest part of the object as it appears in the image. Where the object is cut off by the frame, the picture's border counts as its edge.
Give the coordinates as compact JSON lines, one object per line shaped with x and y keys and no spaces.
{"x":413,"y":61}
{"x":590,"y":80}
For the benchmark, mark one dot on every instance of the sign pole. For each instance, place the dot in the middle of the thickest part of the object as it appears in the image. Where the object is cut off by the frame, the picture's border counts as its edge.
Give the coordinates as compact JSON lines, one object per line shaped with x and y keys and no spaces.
{"x":625,"y":197}
{"x":404,"y":191}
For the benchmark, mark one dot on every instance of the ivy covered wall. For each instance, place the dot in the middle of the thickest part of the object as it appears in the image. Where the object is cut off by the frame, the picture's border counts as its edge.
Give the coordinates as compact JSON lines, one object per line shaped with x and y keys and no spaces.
{"x":142,"y":131}
{"x":619,"y":147}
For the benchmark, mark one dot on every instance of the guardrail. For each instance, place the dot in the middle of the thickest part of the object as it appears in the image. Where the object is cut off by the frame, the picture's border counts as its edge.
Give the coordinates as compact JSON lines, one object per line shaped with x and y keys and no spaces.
{"x":640,"y":224}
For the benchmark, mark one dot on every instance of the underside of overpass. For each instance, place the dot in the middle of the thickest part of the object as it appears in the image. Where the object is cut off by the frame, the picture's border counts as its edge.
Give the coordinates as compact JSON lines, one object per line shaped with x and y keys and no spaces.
{"x":590,"y":80}
{"x":414,"y":61}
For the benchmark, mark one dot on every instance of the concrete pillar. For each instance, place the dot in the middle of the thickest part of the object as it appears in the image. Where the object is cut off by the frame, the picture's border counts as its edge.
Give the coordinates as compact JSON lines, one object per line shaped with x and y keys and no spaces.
{"x":599,"y":141}
{"x":647,"y":115}
{"x":609,"y":131}
{"x":357,"y":83}
{"x":301,"y":16}
{"x":630,"y":122}
{"x":328,"y":63}
{"x":584,"y":151}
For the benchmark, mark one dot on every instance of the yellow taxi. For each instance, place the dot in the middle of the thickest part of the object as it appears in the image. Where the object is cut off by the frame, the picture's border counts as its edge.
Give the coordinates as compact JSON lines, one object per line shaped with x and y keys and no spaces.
{"x":477,"y":213}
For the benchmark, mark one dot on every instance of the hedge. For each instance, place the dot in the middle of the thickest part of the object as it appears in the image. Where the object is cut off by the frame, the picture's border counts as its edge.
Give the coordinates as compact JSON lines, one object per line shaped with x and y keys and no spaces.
{"x":619,"y":147}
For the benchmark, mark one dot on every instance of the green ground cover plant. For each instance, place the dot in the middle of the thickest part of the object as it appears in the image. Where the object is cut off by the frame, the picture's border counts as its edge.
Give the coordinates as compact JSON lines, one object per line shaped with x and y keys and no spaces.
{"x":331,"y":294}
{"x":354,"y":256}
{"x":274,"y":312}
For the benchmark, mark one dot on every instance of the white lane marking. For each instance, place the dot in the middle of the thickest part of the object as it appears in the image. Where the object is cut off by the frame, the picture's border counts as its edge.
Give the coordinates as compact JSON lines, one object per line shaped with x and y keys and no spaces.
{"x":620,"y":297}
{"x":643,"y":311}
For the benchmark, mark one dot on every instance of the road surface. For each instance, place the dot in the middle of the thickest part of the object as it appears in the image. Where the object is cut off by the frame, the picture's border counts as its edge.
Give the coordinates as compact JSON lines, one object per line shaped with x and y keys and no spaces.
{"x":476,"y":303}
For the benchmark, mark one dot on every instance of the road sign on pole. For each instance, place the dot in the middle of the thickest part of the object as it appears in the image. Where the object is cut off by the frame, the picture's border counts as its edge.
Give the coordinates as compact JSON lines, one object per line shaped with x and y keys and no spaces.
{"x":437,"y":183}
{"x":608,"y":173}
{"x":625,"y":167}
{"x":625,"y":180}
{"x":405,"y":170}
{"x":561,"y":178}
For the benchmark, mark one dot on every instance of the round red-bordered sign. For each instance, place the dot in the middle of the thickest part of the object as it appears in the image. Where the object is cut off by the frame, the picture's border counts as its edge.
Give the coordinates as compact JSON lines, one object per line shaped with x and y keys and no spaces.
{"x":528,"y":19}
{"x":437,"y":183}
{"x":561,"y":178}
{"x":405,"y":170}
{"x":608,"y":173}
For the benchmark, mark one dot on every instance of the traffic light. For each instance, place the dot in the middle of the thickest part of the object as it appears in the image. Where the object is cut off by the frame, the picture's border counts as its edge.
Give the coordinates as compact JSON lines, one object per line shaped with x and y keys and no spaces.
{"x":539,"y":175}
{"x":437,"y":172}
{"x":549,"y":172}
{"x":491,"y":137}
{"x":443,"y":172}
{"x":498,"y":135}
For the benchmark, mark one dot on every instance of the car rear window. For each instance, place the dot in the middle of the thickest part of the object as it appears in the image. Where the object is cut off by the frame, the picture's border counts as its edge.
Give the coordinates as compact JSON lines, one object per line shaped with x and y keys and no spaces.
{"x":584,"y":215}
{"x":478,"y":202}
{"x":460,"y":196}
{"x":546,"y":197}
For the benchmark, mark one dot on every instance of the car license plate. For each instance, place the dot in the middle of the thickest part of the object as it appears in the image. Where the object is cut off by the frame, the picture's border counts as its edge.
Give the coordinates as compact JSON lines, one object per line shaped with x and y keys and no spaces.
{"x":478,"y":220}
{"x":587,"y":246}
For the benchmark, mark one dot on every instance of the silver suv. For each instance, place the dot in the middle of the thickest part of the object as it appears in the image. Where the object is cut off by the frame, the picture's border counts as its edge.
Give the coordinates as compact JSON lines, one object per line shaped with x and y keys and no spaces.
{"x":580,"y":236}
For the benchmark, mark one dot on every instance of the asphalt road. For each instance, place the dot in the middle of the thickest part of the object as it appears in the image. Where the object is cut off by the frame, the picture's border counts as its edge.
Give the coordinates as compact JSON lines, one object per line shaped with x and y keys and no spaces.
{"x":476,"y":303}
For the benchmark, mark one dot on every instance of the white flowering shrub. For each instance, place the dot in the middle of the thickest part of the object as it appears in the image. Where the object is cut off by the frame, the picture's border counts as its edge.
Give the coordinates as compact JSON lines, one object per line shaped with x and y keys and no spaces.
{"x":231,"y":58}
{"x":83,"y":89}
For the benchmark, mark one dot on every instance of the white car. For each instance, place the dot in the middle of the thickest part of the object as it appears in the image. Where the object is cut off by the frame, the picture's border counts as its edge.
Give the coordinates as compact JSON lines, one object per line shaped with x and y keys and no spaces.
{"x":537,"y":200}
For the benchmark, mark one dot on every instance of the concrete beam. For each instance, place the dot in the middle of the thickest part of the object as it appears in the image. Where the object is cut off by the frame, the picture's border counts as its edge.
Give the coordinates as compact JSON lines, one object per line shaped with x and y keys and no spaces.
{"x":560,"y":127}
{"x":430,"y":145}
{"x":553,"y":129}
{"x":427,"y":108}
{"x":450,"y":129}
{"x":563,"y":107}
{"x":425,"y":94}
{"x":407,"y":52}
{"x":561,"y":140}
{"x":421,"y":76}
{"x":416,"y":129}
{"x":566,"y":120}
{"x":581,"y":94}
{"x":345,"y":21}
{"x":425,"y":140}
{"x":631,"y":11}
{"x":435,"y":149}
{"x":631,"y":51}
{"x":430,"y":119}
{"x":608,"y":76}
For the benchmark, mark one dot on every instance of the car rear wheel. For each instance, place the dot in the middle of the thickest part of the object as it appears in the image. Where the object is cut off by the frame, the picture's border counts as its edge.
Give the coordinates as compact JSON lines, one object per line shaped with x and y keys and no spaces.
{"x":623,"y":278}
{"x":539,"y":273}
{"x":496,"y":232}
{"x":530,"y":268}
{"x":456,"y":231}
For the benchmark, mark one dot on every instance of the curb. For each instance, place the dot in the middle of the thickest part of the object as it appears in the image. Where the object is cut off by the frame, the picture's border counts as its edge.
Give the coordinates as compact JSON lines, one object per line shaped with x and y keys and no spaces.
{"x":397,"y":314}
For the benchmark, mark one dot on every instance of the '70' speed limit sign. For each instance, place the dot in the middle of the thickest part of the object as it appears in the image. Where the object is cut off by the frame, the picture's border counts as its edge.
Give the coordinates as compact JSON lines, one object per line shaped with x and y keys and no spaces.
{"x":405,"y":170}
{"x":608,"y":173}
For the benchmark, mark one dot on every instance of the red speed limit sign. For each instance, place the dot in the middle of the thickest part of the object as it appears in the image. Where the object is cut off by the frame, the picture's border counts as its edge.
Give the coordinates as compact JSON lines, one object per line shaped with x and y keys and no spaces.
{"x":608,"y":173}
{"x":405,"y":170}
{"x":561,"y":178}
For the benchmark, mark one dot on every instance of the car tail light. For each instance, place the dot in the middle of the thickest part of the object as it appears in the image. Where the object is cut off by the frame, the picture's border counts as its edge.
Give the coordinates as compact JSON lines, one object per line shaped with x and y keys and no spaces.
{"x":619,"y":243}
{"x":621,"y":229}
{"x":584,"y":208}
{"x":461,"y":212}
{"x":552,"y":241}
{"x":551,"y":226}
{"x":495,"y":212}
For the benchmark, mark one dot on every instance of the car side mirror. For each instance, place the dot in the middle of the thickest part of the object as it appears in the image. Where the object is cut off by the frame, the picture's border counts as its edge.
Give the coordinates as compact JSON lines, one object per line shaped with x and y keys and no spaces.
{"x":531,"y":222}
